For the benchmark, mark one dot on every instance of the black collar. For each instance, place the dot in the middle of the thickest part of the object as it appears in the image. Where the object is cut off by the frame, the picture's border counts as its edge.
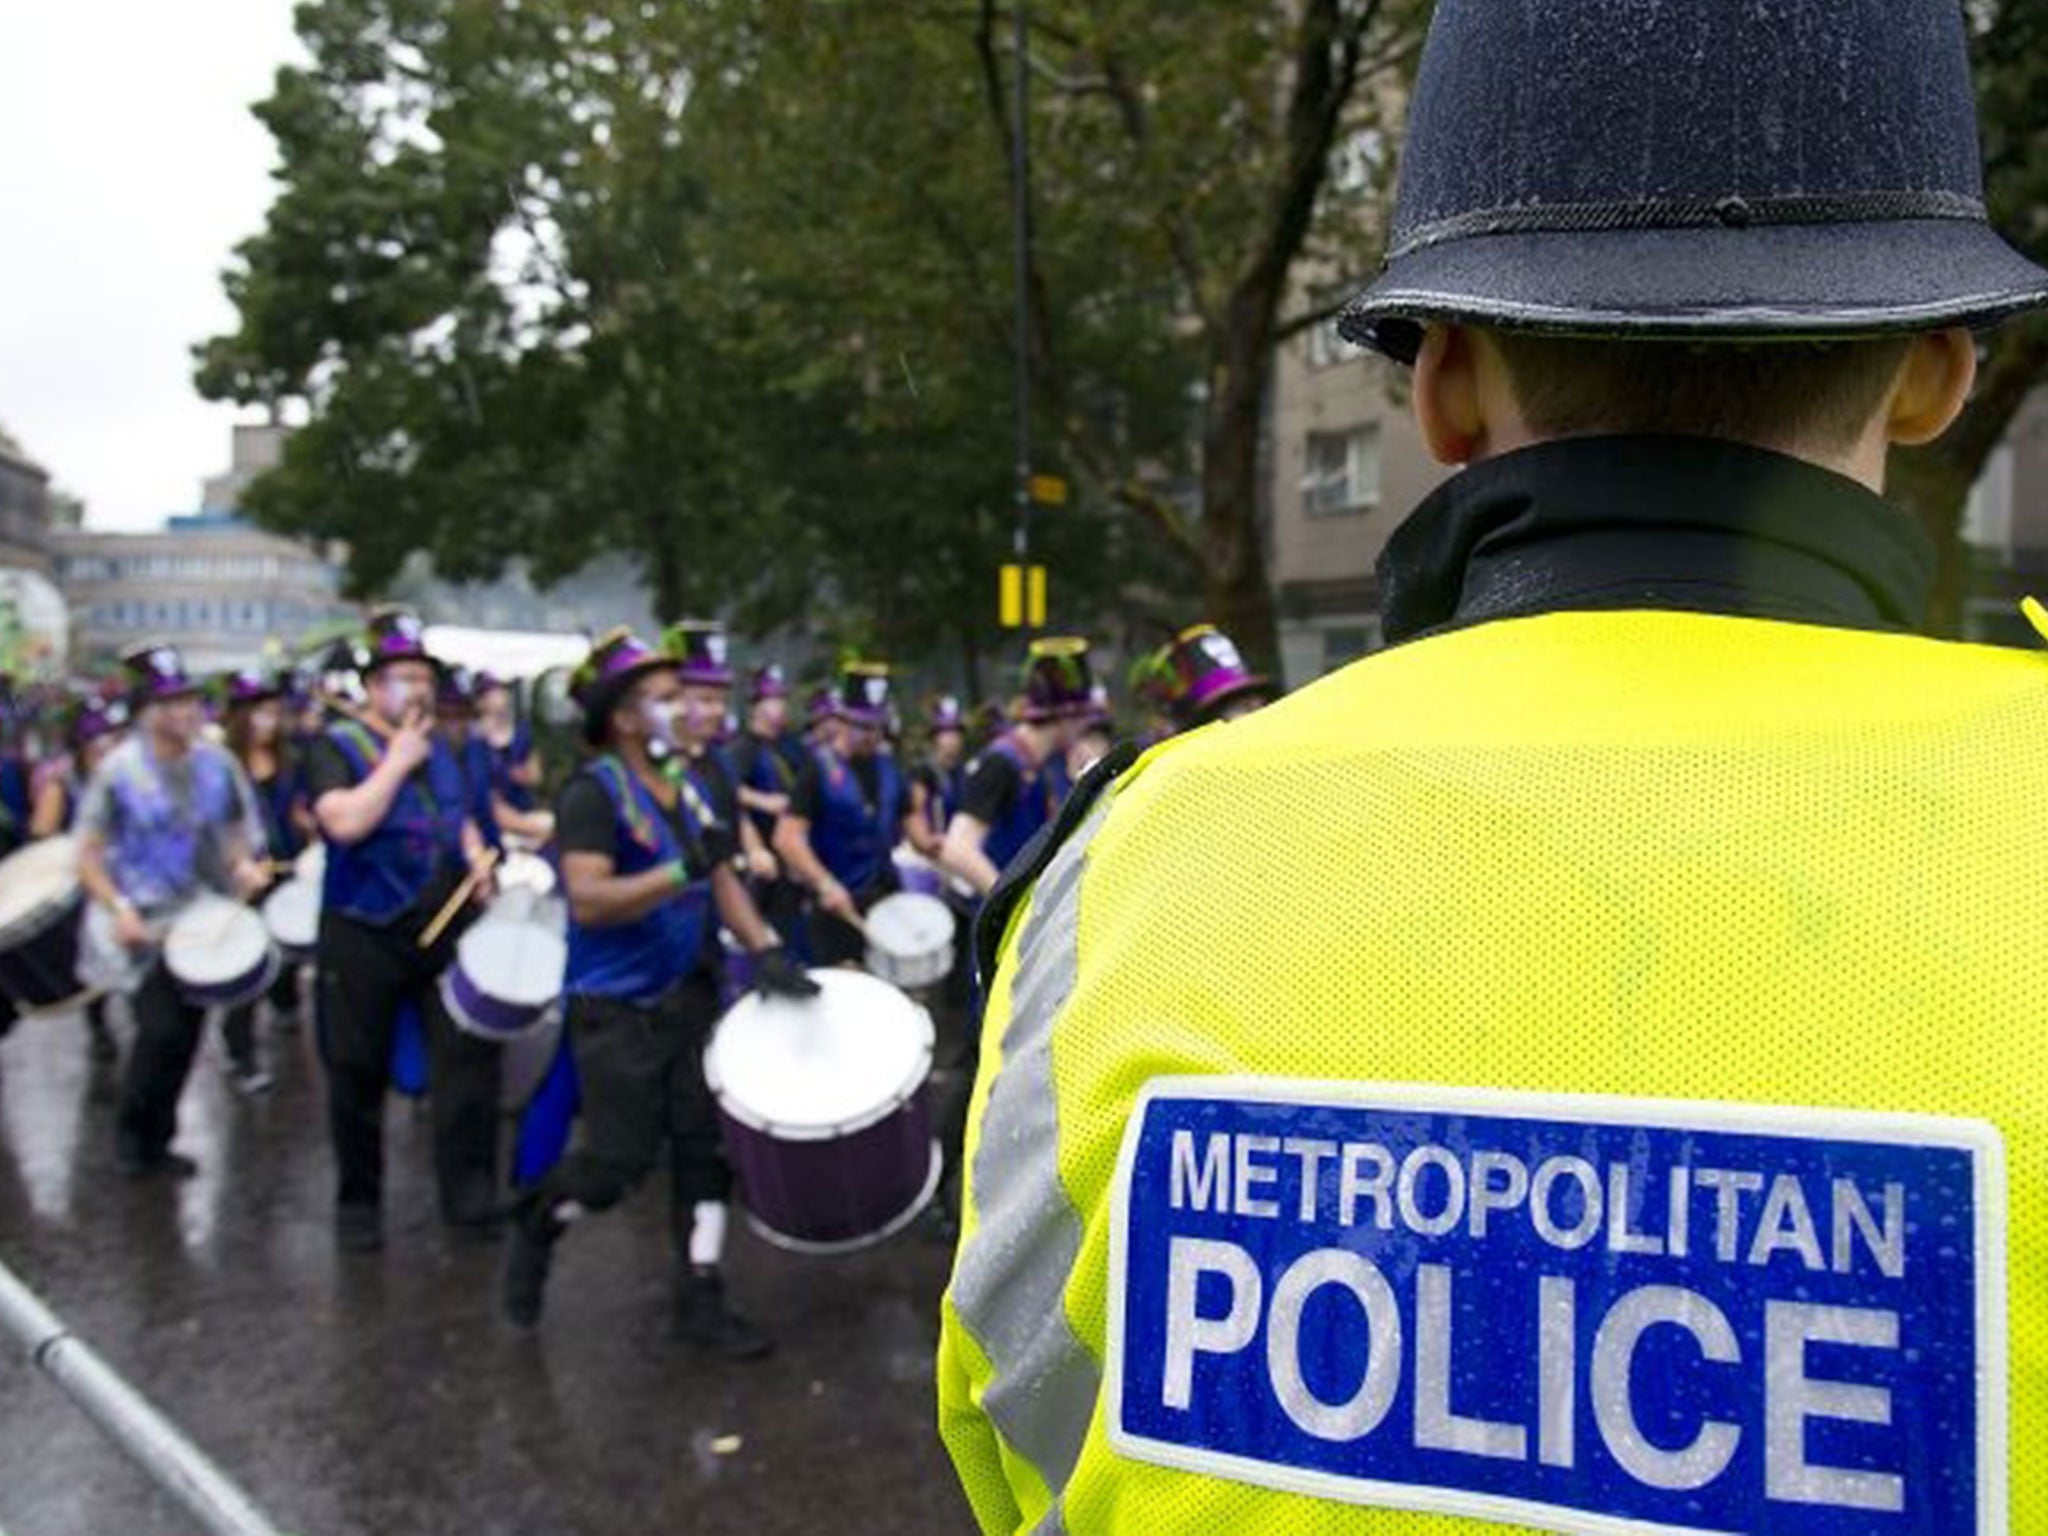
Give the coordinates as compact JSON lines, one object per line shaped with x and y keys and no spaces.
{"x":1653,"y":522}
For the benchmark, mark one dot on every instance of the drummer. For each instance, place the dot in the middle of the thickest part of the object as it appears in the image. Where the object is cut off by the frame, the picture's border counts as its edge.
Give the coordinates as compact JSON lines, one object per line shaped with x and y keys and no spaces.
{"x":938,"y":782}
{"x":165,"y":816}
{"x":96,"y":726}
{"x":1017,"y":783}
{"x":513,"y":764}
{"x":768,"y":757}
{"x":845,"y":817}
{"x":698,"y":648}
{"x":645,"y":863}
{"x":253,"y":731}
{"x":389,"y":799}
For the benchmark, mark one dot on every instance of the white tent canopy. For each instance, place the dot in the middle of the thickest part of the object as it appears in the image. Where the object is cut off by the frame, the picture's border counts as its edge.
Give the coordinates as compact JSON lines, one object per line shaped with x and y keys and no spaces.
{"x":507,"y":653}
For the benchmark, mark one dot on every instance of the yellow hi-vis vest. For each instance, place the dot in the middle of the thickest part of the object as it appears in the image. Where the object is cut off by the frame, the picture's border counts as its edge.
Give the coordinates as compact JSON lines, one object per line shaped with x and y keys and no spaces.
{"x":1629,"y":1106}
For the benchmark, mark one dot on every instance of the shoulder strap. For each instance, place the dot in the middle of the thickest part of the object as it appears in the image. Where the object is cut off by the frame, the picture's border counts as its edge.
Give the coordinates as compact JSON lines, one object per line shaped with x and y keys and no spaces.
{"x":1023,"y":871}
{"x":356,"y":743}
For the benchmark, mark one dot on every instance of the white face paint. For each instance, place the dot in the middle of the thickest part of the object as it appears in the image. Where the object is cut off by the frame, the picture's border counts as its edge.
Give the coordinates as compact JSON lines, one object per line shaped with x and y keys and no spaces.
{"x":665,"y":722}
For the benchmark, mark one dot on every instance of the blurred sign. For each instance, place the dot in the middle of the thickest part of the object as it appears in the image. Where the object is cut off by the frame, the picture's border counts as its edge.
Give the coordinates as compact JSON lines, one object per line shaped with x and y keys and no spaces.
{"x":1021,"y":597}
{"x":1048,"y":491}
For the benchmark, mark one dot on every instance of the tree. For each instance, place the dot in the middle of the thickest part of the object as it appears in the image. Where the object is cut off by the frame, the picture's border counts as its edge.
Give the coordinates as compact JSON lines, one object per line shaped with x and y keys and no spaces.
{"x":2010,"y":43}
{"x":587,"y":273}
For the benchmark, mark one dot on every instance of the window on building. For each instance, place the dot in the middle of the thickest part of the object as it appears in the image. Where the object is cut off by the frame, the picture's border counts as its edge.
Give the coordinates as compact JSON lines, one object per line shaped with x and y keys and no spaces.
{"x":1341,"y":472}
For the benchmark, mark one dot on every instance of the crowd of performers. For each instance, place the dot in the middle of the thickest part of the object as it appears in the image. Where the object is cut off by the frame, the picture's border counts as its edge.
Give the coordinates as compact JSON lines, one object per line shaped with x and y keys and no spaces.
{"x":210,"y":837}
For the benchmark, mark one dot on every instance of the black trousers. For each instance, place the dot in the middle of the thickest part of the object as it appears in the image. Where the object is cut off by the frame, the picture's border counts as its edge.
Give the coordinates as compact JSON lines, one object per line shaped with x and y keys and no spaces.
{"x":642,"y":1073}
{"x":365,"y":974}
{"x":167,"y":1032}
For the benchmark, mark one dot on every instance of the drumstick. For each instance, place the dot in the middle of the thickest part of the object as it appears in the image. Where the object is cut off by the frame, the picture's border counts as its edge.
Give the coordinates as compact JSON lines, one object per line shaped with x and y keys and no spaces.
{"x":454,"y":903}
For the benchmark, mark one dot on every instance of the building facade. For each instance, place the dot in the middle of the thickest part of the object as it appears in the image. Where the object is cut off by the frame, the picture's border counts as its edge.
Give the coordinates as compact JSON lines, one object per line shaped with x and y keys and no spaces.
{"x":227,"y":594}
{"x":1346,"y":464}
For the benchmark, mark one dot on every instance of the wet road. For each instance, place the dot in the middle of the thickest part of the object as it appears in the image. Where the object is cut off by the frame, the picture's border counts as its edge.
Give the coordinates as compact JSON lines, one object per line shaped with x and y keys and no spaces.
{"x":382,"y":1394}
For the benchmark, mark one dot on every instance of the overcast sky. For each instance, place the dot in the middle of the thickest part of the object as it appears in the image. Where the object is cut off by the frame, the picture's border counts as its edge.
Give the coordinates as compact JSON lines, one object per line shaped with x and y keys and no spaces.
{"x":129,"y":168}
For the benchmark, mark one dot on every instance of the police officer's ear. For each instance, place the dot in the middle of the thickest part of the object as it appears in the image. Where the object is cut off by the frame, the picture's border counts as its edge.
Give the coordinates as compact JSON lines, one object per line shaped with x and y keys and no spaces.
{"x":1933,"y":386}
{"x":1464,"y":402}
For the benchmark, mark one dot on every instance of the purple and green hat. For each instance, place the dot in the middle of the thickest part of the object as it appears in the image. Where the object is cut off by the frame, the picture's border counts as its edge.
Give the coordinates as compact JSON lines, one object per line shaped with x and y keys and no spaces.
{"x":863,"y":694}
{"x":769,"y":682}
{"x":818,"y":705}
{"x":946,"y":715}
{"x":246,"y":685}
{"x":98,"y":718}
{"x":618,"y":659}
{"x":395,"y":634}
{"x":157,"y":673}
{"x":1208,"y":672}
{"x":699,"y":650}
{"x":1057,"y":680}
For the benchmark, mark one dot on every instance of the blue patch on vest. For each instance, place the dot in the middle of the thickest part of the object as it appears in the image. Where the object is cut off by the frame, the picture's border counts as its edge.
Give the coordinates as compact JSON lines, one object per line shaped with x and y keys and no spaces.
{"x":1577,"y":1313}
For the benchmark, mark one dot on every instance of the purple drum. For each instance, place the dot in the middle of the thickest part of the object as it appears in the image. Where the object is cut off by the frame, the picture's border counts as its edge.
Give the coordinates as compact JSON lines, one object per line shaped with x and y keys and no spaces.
{"x":823,"y":1105}
{"x":506,"y":975}
{"x":39,"y":915}
{"x":917,"y":874}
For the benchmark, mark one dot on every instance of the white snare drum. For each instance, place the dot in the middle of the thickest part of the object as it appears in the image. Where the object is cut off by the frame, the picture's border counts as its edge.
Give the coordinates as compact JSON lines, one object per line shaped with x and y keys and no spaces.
{"x":526,"y":1059}
{"x":219,"y":952}
{"x":823,"y":1105}
{"x":39,"y":913}
{"x":292,"y":914}
{"x":910,"y":940}
{"x":506,"y":975}
{"x":311,"y":864}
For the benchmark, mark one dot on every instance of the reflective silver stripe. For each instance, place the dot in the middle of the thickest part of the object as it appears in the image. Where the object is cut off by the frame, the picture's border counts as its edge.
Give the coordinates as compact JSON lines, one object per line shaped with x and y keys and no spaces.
{"x":1054,"y":1523}
{"x":1010,"y":1284}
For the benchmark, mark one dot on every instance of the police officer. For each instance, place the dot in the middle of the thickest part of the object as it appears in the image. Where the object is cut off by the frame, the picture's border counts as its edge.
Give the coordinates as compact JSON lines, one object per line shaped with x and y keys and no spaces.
{"x":1616,"y":1134}
{"x":1016,"y":784}
{"x":845,"y":817}
{"x":394,"y":810}
{"x":648,"y":868}
{"x":166,"y":816}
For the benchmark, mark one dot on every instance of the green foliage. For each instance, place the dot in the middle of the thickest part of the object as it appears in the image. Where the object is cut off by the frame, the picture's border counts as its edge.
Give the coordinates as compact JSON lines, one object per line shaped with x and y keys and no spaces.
{"x":728,"y":286}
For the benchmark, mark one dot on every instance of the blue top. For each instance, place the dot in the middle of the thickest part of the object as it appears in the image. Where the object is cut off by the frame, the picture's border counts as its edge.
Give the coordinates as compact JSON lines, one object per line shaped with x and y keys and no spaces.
{"x":1040,"y":792}
{"x":851,"y":834}
{"x":419,"y":840}
{"x":637,"y":962}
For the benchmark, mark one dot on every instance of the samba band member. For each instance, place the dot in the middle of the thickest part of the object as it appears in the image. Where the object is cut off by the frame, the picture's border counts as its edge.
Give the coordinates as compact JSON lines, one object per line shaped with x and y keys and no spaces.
{"x":1016,"y":784}
{"x":698,"y":648}
{"x":938,"y":782}
{"x":645,"y":862}
{"x":768,"y":758}
{"x":514,"y":764}
{"x":845,"y":817}
{"x":391,"y":804}
{"x":454,"y":722}
{"x":1206,"y":679}
{"x":166,"y":816}
{"x":95,"y":728}
{"x":256,"y":733}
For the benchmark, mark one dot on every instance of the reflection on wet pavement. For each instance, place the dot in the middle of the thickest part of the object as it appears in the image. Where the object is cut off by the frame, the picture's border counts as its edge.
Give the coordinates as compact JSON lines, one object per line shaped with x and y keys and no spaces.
{"x":382,"y":1394}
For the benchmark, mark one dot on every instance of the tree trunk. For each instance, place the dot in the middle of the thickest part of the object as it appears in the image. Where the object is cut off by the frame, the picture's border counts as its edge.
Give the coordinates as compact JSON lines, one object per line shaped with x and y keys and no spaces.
{"x":1236,"y":593}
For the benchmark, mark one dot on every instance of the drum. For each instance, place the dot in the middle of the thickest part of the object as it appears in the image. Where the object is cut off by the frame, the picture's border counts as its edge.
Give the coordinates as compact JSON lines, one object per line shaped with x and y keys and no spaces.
{"x":917,"y":874}
{"x":292,"y":914}
{"x":522,"y":871}
{"x":219,"y":952}
{"x":39,"y":914}
{"x":823,"y":1106}
{"x":526,"y":1059}
{"x":506,"y":975}
{"x":311,"y":864}
{"x":910,"y":940}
